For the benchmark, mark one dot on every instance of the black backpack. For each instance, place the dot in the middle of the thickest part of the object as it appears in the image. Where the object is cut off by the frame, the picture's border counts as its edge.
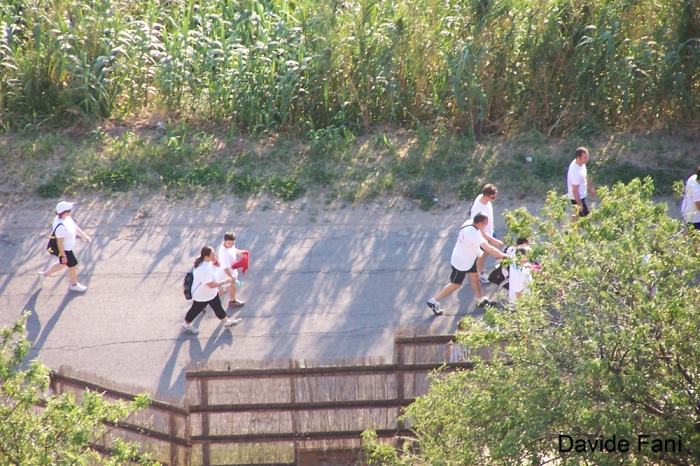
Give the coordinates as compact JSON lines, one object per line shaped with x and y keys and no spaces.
{"x":52,"y":247}
{"x":187,"y":284}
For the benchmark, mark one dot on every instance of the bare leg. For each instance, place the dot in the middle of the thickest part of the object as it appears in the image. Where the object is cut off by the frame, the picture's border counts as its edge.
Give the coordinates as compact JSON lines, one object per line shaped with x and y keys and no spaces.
{"x":476,"y":284}
{"x":448,"y":290}
{"x":55,"y":267}
{"x":232,"y":291}
{"x":480,"y":264}
{"x":73,"y":275}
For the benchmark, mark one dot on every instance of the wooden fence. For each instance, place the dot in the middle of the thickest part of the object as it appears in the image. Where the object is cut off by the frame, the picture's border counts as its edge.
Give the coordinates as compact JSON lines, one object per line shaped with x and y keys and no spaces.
{"x":162,"y":428}
{"x":288,"y":412}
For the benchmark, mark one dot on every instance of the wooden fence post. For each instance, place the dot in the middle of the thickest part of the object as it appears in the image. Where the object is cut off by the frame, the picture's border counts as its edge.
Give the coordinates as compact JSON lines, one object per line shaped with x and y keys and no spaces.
{"x":204,"y":391}
{"x":293,"y":413}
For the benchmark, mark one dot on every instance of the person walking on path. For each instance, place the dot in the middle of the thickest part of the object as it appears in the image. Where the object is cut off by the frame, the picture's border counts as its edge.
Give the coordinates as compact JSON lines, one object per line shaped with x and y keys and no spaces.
{"x":227,"y":256}
{"x":469,"y":246}
{"x":205,"y":288}
{"x":578,"y":184}
{"x":65,"y":230}
{"x":482,"y":205}
{"x":519,"y":276}
{"x":690,"y":207}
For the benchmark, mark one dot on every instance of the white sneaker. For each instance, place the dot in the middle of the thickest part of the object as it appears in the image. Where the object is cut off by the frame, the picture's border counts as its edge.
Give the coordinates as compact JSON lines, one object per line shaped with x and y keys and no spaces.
{"x":484,"y":277}
{"x":190,"y":328}
{"x":78,"y":288}
{"x":435,"y":306}
{"x":42,"y":278}
{"x":231,"y":323}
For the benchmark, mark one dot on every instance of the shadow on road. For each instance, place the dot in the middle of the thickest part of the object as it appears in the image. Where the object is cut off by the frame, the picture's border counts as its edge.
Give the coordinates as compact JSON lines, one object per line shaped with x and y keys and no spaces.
{"x":36,"y":334}
{"x":221,"y":338}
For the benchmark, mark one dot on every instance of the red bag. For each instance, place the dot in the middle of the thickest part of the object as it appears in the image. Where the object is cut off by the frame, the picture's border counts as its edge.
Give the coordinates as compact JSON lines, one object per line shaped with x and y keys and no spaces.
{"x":242,"y":263}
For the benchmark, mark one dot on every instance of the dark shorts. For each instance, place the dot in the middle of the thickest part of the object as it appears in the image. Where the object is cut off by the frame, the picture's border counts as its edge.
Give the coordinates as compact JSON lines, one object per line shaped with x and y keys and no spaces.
{"x":695,"y":225}
{"x":584,"y":212}
{"x":72,"y":261}
{"x":457,"y":276}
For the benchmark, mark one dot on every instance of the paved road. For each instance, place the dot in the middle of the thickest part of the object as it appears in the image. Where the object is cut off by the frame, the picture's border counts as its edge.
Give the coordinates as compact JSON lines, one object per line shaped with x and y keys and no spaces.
{"x":321,"y":285}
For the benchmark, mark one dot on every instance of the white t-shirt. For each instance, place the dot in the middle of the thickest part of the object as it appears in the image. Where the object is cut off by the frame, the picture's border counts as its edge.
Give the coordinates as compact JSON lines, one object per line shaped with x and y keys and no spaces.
{"x":467,"y":248}
{"x":227,"y":256}
{"x":205,"y":273}
{"x":67,"y":231}
{"x":576,"y":176}
{"x":691,"y":214}
{"x":519,"y":277}
{"x":486,"y":209}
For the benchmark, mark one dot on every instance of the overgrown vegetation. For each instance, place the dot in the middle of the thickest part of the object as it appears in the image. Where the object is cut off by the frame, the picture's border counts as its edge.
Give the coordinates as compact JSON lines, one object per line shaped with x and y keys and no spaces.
{"x":443,"y":166}
{"x":603,"y":347}
{"x":483,"y":66}
{"x":56,"y":430}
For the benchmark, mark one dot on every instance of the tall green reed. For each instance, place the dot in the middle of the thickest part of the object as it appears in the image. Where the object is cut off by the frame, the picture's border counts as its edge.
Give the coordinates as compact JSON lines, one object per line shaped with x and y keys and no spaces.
{"x":487,"y":66}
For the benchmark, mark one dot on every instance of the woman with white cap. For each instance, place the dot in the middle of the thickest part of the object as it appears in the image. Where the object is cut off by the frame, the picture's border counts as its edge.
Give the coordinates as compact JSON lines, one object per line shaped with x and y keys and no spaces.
{"x":65,"y":231}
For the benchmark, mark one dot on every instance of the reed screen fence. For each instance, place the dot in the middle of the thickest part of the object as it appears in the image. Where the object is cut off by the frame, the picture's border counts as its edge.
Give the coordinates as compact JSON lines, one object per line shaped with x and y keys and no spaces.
{"x":283,"y":412}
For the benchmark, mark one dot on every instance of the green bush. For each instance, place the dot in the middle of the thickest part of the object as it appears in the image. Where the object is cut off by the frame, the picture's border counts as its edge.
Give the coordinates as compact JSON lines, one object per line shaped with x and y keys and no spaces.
{"x":55,"y":186}
{"x":318,"y":175}
{"x":245,"y":184}
{"x":604,"y":342}
{"x":119,"y":178}
{"x":287,"y":189}
{"x":205,"y":175}
{"x":169,"y":173}
{"x":468,"y":190}
{"x":424,"y":191}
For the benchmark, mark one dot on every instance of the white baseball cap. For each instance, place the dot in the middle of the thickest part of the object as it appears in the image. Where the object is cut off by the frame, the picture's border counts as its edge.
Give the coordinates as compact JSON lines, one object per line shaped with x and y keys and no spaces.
{"x":64,"y":206}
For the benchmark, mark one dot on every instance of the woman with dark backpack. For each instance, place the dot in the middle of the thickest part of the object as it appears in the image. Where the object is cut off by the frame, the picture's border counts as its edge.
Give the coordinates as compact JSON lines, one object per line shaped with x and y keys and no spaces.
{"x":205,"y":291}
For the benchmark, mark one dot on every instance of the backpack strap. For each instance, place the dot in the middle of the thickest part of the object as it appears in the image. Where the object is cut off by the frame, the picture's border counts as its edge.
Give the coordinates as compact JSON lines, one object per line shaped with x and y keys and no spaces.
{"x":468,"y":225}
{"x":53,"y":235}
{"x":195,"y":288}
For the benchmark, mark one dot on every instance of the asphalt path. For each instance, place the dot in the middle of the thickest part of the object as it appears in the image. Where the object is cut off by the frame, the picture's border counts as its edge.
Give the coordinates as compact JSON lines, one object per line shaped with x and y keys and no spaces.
{"x":321,"y":285}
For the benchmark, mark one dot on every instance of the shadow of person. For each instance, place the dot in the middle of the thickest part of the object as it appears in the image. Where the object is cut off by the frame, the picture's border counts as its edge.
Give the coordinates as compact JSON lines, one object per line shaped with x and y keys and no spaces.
{"x":33,"y":323}
{"x":221,"y":338}
{"x":38,"y":343}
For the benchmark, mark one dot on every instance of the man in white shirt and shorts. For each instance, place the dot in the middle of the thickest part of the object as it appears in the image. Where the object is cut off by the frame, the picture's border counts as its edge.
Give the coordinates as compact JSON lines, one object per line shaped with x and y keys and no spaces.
{"x":482,"y":205}
{"x":577,"y":184}
{"x":470,"y":245}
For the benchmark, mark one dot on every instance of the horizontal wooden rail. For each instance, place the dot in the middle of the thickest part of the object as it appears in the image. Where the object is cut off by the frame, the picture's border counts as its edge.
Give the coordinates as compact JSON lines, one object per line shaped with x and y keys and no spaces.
{"x":302,"y":406}
{"x":425,"y":340}
{"x":110,"y":451}
{"x":152,"y":433}
{"x":289,"y":437}
{"x":327,"y":370}
{"x":116,"y":393}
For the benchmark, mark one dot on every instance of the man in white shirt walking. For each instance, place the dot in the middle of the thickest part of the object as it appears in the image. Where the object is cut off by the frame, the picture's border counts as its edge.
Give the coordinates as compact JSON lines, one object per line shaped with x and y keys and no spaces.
{"x":578,"y":184}
{"x":482,"y":205}
{"x":470,"y":245}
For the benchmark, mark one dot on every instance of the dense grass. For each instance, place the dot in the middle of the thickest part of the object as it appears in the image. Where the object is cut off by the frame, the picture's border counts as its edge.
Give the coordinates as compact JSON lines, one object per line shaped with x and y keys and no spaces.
{"x":482,"y":66}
